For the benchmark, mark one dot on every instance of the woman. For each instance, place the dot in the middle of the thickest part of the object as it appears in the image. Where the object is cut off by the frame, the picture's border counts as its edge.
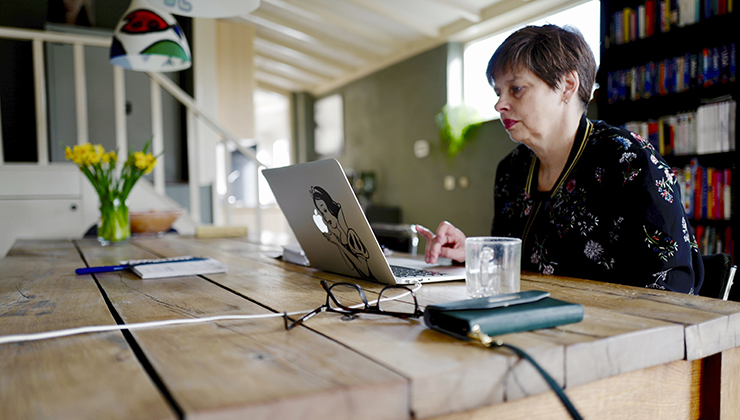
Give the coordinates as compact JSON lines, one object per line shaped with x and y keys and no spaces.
{"x":587,"y":199}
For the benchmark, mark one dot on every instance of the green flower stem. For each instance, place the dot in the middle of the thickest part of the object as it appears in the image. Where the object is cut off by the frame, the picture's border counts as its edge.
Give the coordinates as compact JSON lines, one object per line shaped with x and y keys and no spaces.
{"x":114,"y":224}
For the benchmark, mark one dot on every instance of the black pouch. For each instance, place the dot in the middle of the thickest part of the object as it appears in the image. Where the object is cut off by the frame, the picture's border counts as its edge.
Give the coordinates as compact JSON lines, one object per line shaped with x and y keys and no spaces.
{"x":502,"y":314}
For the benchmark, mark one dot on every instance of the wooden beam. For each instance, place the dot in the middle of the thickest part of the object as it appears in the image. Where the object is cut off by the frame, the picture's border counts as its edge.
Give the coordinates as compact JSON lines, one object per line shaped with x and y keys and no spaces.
{"x":296,"y":58}
{"x":301,"y":50}
{"x":278,"y":67}
{"x":272,"y":79}
{"x":322,"y":31}
{"x":320,"y":13}
{"x":464,"y":10}
{"x":273,"y":88}
{"x":362,"y":71}
{"x":330,"y":50}
{"x":425,"y":29}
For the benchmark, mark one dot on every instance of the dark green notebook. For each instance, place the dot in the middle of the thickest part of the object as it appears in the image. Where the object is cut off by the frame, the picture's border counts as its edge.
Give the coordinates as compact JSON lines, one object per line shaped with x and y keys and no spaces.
{"x":502,"y":314}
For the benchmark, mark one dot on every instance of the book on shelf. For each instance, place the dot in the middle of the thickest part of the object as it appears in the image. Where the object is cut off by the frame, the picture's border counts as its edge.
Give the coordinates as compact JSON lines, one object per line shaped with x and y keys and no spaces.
{"x":714,"y":239}
{"x":665,"y":15}
{"x":706,"y":191}
{"x":650,"y":18}
{"x":697,"y":69}
{"x":645,"y":19}
{"x":712,"y":128}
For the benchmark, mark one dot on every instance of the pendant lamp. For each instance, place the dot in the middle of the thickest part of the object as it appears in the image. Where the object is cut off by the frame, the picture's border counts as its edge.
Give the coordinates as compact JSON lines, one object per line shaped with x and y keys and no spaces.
{"x":147,"y":39}
{"x":207,"y":8}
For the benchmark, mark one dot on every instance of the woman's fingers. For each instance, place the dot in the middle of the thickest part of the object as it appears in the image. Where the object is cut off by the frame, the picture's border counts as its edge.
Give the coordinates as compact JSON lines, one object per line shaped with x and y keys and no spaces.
{"x":448,"y":242}
{"x":426,"y":233}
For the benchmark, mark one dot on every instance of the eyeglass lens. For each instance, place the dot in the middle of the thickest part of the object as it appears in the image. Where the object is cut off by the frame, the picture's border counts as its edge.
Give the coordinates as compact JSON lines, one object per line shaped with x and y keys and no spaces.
{"x":347,"y":297}
{"x":397,"y":299}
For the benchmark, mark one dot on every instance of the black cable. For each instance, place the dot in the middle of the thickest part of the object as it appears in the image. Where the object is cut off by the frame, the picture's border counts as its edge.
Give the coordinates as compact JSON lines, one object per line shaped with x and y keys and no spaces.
{"x":554,"y":385}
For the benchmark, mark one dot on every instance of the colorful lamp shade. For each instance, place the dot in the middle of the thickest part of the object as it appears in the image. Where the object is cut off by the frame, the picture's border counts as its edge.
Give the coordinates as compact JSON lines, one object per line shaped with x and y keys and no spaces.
{"x":147,"y":39}
{"x":207,"y":8}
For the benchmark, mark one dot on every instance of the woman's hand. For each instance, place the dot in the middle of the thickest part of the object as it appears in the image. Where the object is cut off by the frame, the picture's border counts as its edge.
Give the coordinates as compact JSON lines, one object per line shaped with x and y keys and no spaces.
{"x":448,"y":242}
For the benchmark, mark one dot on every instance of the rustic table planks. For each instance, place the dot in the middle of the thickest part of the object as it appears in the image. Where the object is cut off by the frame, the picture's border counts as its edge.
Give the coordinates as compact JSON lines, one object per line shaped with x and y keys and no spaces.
{"x":711,"y":325}
{"x":638,"y":353}
{"x":628,"y":342}
{"x":244,"y":369}
{"x":86,"y":376}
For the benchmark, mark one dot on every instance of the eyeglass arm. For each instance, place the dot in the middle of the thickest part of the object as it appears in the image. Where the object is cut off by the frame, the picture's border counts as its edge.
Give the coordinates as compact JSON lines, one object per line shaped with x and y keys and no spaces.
{"x":290,"y":326}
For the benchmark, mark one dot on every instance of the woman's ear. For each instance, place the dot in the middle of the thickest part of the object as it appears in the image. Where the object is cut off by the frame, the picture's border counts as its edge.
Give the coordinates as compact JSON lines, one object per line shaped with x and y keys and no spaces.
{"x":571,"y":83}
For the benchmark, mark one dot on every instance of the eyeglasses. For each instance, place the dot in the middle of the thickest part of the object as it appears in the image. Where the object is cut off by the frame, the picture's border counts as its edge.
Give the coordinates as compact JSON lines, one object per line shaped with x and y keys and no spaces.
{"x":343,"y":298}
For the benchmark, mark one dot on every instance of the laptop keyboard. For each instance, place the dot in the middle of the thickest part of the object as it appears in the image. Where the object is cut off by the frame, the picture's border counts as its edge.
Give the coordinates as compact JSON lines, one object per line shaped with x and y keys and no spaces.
{"x":411,"y":272}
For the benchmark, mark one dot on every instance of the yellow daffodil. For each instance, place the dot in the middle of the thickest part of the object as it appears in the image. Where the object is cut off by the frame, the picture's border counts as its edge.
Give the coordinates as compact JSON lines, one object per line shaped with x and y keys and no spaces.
{"x":110,"y":157}
{"x":100,"y":168}
{"x":152,"y":163}
{"x":112,"y":183}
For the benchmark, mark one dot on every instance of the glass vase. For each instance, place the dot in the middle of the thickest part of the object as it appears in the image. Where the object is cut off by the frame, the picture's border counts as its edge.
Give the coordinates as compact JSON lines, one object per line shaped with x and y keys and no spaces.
{"x":113,"y":226}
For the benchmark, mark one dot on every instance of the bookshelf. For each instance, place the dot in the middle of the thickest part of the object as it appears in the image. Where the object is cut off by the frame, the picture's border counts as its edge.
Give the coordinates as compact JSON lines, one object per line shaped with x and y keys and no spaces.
{"x":668,"y":72}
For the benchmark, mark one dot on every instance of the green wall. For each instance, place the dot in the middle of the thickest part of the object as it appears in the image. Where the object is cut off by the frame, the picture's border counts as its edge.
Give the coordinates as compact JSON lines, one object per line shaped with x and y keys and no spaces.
{"x":386,"y":112}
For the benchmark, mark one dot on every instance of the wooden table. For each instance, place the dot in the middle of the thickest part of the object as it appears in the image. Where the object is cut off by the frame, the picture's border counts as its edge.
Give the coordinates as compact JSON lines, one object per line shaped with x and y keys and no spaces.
{"x":638,"y":353}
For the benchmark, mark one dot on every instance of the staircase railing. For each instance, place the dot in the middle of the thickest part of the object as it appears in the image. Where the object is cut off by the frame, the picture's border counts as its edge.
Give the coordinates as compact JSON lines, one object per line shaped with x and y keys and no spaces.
{"x":194,"y":114}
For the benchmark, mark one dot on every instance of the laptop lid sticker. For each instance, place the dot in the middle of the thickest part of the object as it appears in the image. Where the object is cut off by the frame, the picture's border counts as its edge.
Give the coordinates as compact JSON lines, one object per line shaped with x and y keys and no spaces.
{"x":329,"y":219}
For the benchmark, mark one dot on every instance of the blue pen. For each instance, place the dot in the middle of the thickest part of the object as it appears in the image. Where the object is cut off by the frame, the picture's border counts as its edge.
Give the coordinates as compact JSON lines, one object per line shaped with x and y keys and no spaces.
{"x":101,"y":269}
{"x":129,"y":264}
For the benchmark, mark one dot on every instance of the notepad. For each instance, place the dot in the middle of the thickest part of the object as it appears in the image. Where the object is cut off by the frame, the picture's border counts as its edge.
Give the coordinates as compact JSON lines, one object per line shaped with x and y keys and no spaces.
{"x":179,"y":268}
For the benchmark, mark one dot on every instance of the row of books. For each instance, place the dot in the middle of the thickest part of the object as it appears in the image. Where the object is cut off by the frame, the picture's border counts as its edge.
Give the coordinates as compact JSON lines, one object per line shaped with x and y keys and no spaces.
{"x":706,"y":192}
{"x":702,"y":69}
{"x":654,"y":16}
{"x":715,"y":240}
{"x":712,"y":128}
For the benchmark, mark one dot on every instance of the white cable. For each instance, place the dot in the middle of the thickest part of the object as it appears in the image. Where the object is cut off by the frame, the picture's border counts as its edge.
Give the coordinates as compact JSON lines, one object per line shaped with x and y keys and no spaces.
{"x":17,"y":338}
{"x":136,"y":326}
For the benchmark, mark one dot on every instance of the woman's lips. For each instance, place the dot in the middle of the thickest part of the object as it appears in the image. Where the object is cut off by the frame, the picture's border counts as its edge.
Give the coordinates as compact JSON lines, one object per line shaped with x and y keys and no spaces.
{"x":509,"y":123}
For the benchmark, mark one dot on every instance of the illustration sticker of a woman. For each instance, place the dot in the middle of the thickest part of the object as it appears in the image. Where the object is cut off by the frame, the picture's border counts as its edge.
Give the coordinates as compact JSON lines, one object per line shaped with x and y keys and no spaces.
{"x":350,"y":246}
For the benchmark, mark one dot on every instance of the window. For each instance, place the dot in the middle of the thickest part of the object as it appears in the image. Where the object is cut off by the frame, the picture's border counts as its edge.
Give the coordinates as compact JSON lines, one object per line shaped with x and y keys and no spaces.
{"x":272,"y":127}
{"x":329,"y":133}
{"x":476,"y":90}
{"x":272,"y":147}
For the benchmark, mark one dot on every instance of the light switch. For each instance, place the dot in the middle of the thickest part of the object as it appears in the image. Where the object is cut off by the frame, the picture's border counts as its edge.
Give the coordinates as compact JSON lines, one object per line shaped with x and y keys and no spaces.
{"x":421,"y":148}
{"x":449,"y":182}
{"x":463,"y":182}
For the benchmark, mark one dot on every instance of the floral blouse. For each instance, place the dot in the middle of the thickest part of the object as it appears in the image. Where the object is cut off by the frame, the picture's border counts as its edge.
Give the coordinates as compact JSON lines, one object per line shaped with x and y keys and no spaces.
{"x":615,"y":214}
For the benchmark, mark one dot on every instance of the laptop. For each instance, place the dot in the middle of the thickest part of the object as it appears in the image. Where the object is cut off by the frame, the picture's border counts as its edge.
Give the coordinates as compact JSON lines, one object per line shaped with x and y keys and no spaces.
{"x":328,"y":222}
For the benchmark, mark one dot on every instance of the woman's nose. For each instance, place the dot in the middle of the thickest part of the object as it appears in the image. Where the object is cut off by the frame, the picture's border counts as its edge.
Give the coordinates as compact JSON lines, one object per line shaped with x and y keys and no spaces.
{"x":501,"y":105}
